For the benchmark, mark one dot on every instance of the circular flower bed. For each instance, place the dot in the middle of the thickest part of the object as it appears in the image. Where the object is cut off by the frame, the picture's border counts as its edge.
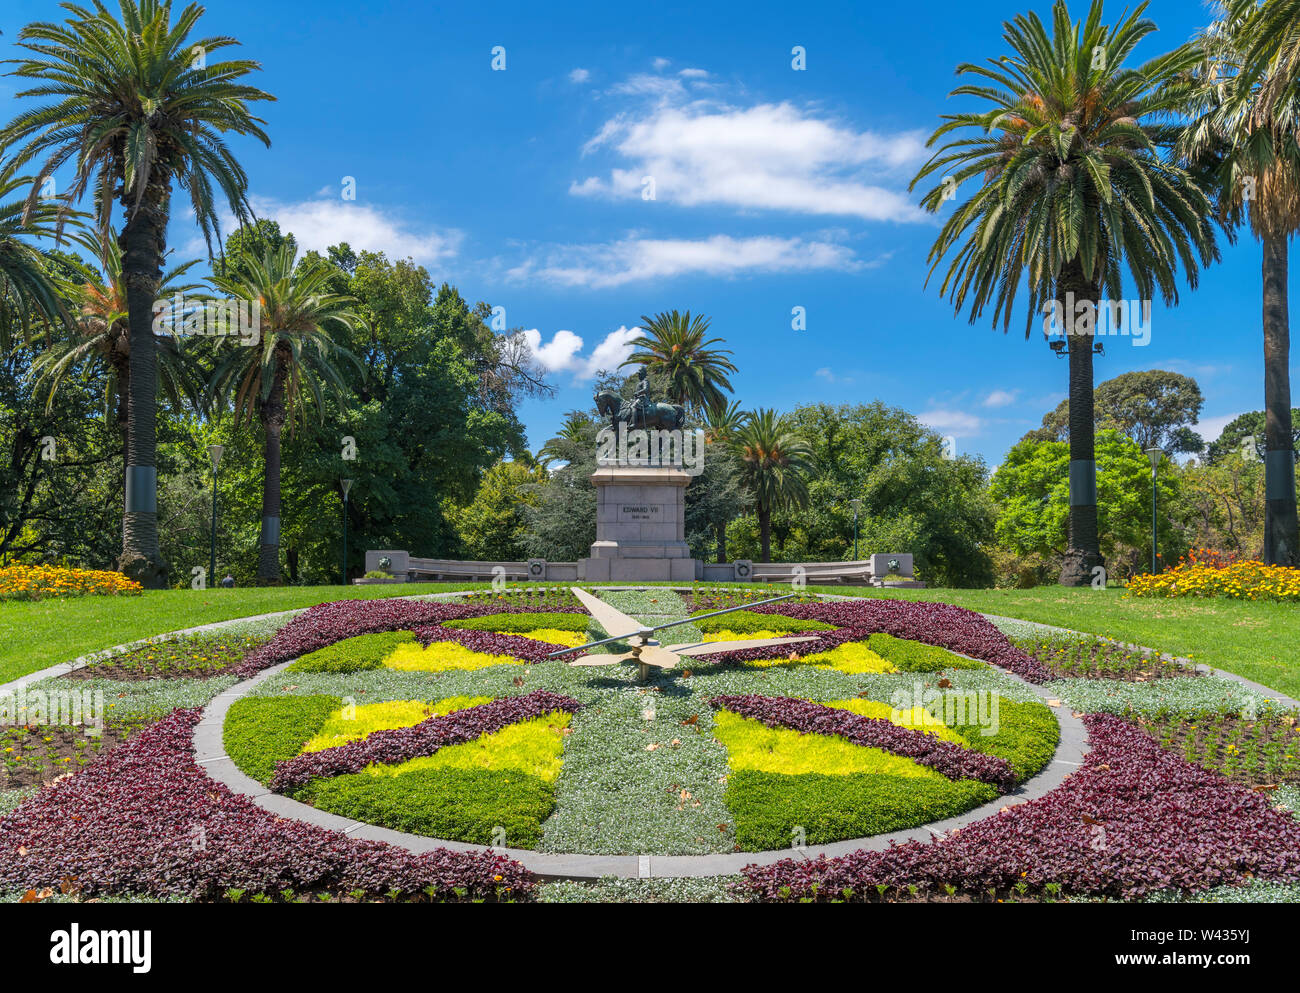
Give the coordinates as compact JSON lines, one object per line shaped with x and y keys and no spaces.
{"x":451,"y":720}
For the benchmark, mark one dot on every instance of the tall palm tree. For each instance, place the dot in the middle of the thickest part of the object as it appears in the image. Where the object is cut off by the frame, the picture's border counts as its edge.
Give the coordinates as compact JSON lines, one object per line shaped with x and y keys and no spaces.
{"x":1075,"y":186}
{"x":720,"y":422}
{"x":773,"y":468}
{"x":136,"y":104}
{"x":1244,"y":111}
{"x":676,"y":346}
{"x":27,"y":288}
{"x":274,"y":378}
{"x":101,"y":334}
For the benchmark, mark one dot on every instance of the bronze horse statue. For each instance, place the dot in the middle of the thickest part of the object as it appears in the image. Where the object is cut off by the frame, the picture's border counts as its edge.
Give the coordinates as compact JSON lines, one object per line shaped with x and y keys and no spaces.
{"x":662,"y":416}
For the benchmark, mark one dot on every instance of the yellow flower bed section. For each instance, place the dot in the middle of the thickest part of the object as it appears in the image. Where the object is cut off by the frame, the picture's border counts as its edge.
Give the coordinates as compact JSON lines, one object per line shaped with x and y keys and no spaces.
{"x":753,"y":746}
{"x":725,"y":635}
{"x":917,"y":718}
{"x":442,"y":656}
{"x":1238,"y":581}
{"x":354,"y":723}
{"x":532,"y":747}
{"x":570,"y":639}
{"x":21,"y":582}
{"x":852,"y":657}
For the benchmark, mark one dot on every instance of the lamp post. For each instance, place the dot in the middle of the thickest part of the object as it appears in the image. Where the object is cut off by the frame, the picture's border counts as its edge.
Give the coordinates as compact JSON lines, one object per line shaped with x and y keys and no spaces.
{"x":856,"y":505}
{"x":214,"y":453}
{"x":346,"y":484}
{"x":1154,"y":454}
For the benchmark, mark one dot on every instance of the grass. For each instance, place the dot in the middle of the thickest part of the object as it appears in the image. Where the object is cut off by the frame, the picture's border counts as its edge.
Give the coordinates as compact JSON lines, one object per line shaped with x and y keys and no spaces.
{"x":1260,"y":641}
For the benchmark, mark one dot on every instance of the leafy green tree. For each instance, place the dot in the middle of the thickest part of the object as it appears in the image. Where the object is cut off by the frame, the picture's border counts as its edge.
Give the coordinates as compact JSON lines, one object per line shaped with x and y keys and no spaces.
{"x":914,"y":497}
{"x":295,"y":359}
{"x":136,"y":103}
{"x":494,"y":526}
{"x":773,"y":464}
{"x":1247,"y":433}
{"x":1242,"y":127}
{"x":1153,"y":407}
{"x":674,"y":344}
{"x":1073,"y":188}
{"x":562,"y":513}
{"x":1032,"y":489}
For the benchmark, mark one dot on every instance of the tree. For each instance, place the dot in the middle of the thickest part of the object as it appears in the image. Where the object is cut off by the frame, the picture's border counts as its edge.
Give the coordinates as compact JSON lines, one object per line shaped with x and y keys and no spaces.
{"x":27,"y":288}
{"x":136,"y":104}
{"x":1154,"y":408}
{"x":102,"y":335}
{"x":295,"y":358}
{"x":1243,"y":128}
{"x":1032,"y":489}
{"x":494,"y":526}
{"x":675,"y":345}
{"x":715,"y":498}
{"x":1074,"y":187}
{"x":1246,"y":433}
{"x":575,"y":429}
{"x":773,"y":468}
{"x":561,"y":511}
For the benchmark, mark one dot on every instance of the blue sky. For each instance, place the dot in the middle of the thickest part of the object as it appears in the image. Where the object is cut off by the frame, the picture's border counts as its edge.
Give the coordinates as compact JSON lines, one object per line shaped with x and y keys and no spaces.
{"x":773,"y":189}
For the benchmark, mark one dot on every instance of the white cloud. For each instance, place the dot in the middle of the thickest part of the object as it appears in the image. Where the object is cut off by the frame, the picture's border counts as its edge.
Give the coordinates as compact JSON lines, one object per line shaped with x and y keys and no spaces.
{"x":579,"y":76}
{"x":1001,"y":398}
{"x":634,"y":259}
{"x":830,"y":376}
{"x":661,"y":63}
{"x":1210,"y":428}
{"x":563,"y":353}
{"x":952,"y":422}
{"x":766,"y":156}
{"x":694,"y":73}
{"x":321,"y":222}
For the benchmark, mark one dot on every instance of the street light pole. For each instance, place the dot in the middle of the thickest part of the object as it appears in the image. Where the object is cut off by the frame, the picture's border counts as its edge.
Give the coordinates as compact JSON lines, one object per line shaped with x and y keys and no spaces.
{"x":347,"y":485}
{"x":214,"y":453}
{"x":856,"y":505}
{"x":1154,"y":455}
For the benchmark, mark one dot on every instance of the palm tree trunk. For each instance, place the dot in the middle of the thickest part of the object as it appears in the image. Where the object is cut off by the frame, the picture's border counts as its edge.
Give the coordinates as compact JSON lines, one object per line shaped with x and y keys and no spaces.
{"x":1281,"y":543}
{"x":1084,"y":552}
{"x":142,"y":242}
{"x":272,"y":414}
{"x":765,"y":532}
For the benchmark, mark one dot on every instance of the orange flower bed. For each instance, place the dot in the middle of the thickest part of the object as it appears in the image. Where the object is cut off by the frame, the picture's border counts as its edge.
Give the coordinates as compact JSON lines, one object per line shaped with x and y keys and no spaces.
{"x":22,"y":582}
{"x":1209,"y":574}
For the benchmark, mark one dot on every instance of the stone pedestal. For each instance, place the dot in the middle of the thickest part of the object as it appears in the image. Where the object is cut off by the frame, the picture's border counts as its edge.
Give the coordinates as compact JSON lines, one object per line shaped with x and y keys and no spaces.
{"x":640,"y":527}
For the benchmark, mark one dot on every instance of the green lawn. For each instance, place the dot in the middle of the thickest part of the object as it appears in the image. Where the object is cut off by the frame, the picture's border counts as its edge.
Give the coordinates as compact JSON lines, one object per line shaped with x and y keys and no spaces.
{"x":1260,"y":641}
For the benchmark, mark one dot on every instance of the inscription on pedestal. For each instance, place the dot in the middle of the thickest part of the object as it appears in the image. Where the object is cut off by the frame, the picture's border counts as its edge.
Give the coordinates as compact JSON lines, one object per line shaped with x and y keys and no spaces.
{"x":631,"y":512}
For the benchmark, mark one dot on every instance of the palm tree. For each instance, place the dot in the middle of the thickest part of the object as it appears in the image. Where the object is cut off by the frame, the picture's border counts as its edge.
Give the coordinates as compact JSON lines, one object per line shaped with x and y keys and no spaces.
{"x":574,"y":432}
{"x":26,"y":287}
{"x":1075,"y":187}
{"x":1244,"y":112}
{"x":135,"y":104}
{"x":102,"y":334}
{"x":773,"y":467}
{"x":721,"y":421}
{"x":675,"y":345}
{"x":295,"y":357}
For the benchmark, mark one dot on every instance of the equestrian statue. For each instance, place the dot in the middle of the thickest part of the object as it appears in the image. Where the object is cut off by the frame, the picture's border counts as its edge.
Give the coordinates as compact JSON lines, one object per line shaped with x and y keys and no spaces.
{"x":642,"y":412}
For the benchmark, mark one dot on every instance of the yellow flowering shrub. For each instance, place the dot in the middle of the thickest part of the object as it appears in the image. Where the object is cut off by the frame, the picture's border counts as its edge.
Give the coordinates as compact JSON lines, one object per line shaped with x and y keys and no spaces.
{"x":23,"y":582}
{"x":532,"y":747}
{"x":1198,"y":575}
